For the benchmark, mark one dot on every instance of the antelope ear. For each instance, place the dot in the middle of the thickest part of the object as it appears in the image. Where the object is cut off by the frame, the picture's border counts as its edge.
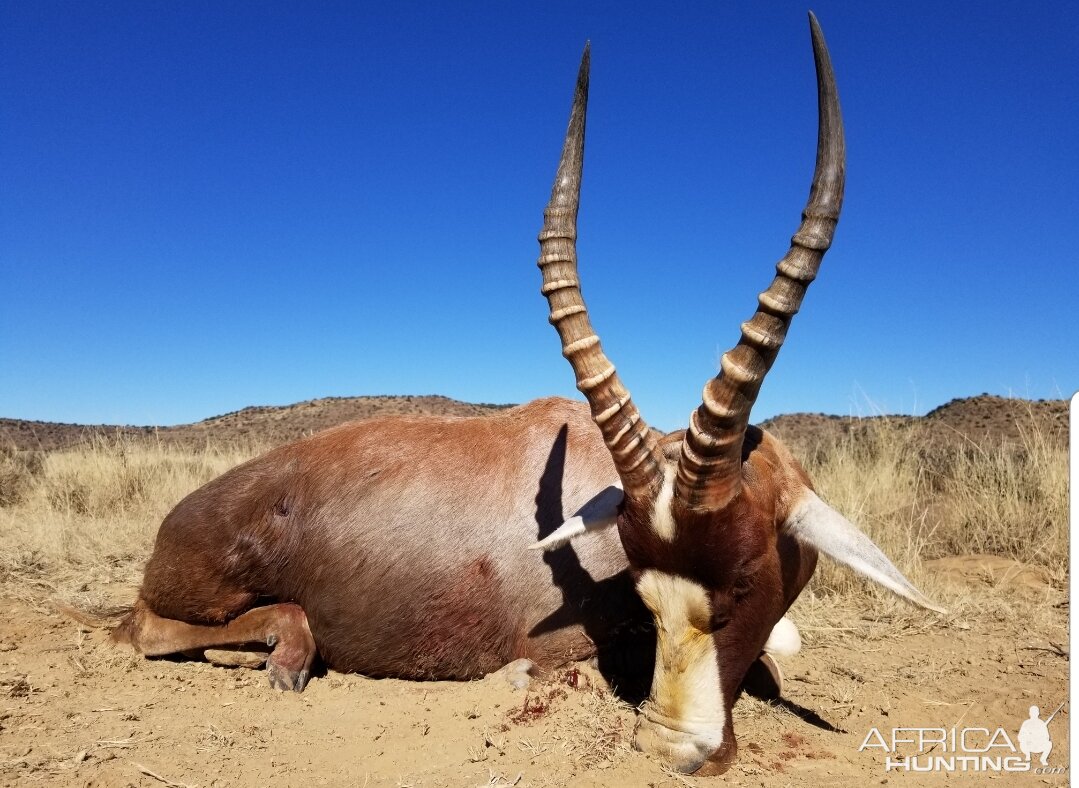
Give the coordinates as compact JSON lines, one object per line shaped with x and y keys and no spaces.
{"x":818,"y":525}
{"x":600,"y":512}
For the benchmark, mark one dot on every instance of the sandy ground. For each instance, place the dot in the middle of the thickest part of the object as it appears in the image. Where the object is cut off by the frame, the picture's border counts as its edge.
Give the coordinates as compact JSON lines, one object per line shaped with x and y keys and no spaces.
{"x":76,"y":711}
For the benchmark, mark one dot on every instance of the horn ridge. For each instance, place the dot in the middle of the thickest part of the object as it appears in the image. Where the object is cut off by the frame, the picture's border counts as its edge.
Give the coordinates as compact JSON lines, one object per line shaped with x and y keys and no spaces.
{"x":709,"y":474}
{"x":631,"y":443}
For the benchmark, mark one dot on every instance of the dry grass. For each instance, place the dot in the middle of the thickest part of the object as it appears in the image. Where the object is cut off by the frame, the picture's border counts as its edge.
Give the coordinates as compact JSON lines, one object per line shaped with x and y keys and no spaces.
{"x":921,"y":495}
{"x":1007,"y":501}
{"x":89,"y":514}
{"x":76,"y":516}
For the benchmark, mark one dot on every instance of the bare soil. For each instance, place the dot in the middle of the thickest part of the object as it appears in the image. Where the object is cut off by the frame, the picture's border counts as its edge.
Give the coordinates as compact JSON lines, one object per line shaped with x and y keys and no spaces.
{"x":77,"y":711}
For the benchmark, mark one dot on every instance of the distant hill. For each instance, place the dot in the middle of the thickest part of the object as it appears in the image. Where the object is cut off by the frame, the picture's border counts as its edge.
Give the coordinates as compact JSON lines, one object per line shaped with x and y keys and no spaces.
{"x":983,"y":419}
{"x":265,"y":423}
{"x":980,"y":419}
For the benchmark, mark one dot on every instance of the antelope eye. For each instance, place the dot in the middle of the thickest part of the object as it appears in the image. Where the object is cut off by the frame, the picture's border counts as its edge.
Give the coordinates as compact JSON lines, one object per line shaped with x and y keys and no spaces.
{"x":721,"y":612}
{"x":741,"y":588}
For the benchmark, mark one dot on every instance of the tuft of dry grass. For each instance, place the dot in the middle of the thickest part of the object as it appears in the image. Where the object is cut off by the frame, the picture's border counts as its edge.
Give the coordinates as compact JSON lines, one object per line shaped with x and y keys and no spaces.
{"x":584,"y":723}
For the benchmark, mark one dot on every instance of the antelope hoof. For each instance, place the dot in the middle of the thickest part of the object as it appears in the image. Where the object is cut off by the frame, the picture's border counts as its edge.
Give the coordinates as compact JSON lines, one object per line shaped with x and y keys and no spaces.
{"x":289,"y":666}
{"x":283,"y":679}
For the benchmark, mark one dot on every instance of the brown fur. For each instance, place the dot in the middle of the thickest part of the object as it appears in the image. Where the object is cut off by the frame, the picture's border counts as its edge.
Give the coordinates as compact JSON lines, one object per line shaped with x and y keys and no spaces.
{"x":404,"y":540}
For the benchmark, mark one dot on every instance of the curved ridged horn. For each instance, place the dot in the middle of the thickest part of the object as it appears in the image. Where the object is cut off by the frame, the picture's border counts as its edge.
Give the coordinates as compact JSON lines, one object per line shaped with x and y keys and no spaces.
{"x":709,"y":469}
{"x":628,"y":438}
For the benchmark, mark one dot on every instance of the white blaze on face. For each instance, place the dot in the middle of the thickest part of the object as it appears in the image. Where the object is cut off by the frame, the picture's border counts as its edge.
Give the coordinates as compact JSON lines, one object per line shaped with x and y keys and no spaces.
{"x":682,"y":721}
{"x":662,"y":519}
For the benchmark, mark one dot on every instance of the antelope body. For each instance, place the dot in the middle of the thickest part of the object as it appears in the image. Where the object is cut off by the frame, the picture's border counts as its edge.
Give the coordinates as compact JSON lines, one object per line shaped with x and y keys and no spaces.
{"x":404,"y":540}
{"x":399,"y":546}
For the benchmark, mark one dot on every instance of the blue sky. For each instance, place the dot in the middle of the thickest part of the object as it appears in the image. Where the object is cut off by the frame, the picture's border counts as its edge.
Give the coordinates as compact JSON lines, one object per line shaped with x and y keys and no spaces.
{"x":208,"y":206}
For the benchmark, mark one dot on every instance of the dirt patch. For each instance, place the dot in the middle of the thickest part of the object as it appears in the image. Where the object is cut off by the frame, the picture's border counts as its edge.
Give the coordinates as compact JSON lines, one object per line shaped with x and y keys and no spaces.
{"x":76,"y":711}
{"x":993,"y":570}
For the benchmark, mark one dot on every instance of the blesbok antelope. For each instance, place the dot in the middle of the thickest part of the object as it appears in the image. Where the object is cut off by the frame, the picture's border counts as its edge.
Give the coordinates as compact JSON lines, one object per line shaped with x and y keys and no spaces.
{"x":398,"y":546}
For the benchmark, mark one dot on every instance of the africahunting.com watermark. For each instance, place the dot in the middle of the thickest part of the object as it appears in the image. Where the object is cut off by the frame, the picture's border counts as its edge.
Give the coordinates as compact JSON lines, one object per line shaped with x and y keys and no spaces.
{"x":968,"y":749}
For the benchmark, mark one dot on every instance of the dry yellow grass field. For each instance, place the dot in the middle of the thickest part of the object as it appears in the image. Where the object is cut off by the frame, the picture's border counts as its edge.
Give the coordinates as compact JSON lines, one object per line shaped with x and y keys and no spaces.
{"x":79,"y":522}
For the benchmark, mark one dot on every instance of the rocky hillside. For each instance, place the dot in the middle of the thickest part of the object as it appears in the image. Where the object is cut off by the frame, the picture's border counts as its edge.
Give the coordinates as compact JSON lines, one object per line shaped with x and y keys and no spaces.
{"x":269,"y":424}
{"x":983,"y":418}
